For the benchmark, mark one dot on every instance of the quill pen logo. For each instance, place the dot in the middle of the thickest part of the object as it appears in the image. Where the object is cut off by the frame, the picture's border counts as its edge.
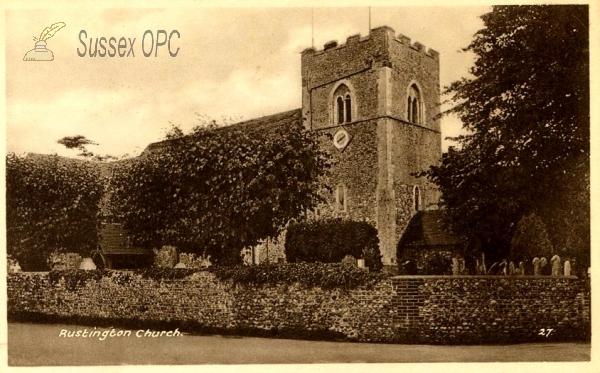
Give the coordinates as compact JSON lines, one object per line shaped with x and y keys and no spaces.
{"x":40,"y":53}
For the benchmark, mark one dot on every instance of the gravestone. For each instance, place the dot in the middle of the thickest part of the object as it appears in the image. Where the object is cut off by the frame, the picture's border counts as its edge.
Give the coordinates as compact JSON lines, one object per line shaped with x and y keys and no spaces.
{"x":567,"y":268}
{"x":555,"y":262}
{"x":349,"y":259}
{"x":521,"y":268}
{"x":88,"y":264}
{"x":502,"y":270}
{"x":455,"y":268}
{"x":537,"y":267}
{"x":13,"y":266}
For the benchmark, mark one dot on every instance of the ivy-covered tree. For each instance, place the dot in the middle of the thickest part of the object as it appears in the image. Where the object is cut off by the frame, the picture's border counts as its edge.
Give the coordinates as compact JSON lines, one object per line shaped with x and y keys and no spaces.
{"x":526,"y":113}
{"x":219,"y":190}
{"x":51,"y":203}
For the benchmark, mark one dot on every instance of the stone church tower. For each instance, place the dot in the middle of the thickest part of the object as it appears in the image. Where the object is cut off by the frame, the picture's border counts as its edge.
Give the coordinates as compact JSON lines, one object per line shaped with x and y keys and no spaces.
{"x":378,"y":96}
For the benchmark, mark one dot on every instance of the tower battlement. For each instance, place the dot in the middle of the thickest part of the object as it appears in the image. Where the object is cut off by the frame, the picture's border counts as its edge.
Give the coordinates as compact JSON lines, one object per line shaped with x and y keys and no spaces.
{"x":385,"y":31}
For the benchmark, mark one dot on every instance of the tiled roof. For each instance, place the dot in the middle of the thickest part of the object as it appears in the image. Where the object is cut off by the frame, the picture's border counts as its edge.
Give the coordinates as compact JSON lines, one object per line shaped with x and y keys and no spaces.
{"x":426,"y":228}
{"x":269,"y":121}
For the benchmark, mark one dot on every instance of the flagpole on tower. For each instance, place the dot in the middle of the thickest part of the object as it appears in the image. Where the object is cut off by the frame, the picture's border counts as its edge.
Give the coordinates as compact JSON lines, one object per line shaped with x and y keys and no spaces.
{"x":312,"y":26}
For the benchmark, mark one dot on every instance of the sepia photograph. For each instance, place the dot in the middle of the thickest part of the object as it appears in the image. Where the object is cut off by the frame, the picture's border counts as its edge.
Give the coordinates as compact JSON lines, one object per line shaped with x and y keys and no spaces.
{"x":298,"y":186}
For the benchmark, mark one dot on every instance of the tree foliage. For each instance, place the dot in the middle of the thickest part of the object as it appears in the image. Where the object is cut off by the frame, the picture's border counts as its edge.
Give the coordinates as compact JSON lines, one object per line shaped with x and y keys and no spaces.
{"x":219,"y":190}
{"x":80,"y":143}
{"x":76,"y":142}
{"x":51,"y":203}
{"x":531,"y":240}
{"x":526,"y":112}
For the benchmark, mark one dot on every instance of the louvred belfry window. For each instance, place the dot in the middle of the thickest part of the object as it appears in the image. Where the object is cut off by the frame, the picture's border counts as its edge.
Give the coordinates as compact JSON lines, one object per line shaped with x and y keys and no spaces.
{"x":340,"y":110}
{"x":414,"y":107}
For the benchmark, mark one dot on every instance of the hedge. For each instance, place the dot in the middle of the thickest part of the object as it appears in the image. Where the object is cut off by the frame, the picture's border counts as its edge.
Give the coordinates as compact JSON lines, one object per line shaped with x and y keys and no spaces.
{"x":330,"y":240}
{"x":309,"y":275}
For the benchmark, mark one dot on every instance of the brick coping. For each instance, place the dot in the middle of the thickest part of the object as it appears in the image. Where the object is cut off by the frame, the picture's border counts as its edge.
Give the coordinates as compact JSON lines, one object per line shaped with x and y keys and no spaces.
{"x":485,"y":277}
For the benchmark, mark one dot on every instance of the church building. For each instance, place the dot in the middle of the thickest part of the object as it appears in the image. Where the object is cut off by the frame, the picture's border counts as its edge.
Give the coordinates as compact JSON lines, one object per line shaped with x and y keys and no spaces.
{"x":378,"y":96}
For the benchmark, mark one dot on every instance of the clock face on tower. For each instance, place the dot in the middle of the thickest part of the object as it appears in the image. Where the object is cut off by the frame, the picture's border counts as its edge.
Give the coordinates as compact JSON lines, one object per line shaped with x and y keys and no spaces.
{"x":341,"y":139}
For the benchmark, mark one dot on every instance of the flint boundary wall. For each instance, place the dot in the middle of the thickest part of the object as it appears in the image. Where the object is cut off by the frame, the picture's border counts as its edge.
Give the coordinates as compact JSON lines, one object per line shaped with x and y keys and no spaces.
{"x":404,"y":309}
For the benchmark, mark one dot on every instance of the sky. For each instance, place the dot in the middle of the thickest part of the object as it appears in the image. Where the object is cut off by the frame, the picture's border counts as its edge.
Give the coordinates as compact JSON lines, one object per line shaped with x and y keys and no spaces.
{"x":233,"y":64}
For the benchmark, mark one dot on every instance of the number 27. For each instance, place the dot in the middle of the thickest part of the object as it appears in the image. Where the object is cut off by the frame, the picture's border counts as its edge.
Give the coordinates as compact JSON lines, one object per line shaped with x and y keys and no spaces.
{"x":545,"y":332}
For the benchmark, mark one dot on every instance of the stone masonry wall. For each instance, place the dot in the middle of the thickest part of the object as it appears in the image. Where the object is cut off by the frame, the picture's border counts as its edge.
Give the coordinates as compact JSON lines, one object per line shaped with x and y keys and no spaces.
{"x":408,"y":309}
{"x":412,"y":65}
{"x":355,"y":168}
{"x":415,"y":150}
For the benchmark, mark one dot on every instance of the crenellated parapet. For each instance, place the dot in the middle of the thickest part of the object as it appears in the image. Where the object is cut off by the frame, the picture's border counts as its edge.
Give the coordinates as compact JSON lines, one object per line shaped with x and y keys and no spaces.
{"x":417,"y":46}
{"x":378,"y":33}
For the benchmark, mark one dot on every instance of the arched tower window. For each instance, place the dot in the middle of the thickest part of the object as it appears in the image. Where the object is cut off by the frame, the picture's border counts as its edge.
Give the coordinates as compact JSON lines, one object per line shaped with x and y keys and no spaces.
{"x":341,"y":200}
{"x":417,"y":198}
{"x":340,"y":110}
{"x":415,"y":111}
{"x":348,"y":103}
{"x":343,"y":104}
{"x":414,"y":107}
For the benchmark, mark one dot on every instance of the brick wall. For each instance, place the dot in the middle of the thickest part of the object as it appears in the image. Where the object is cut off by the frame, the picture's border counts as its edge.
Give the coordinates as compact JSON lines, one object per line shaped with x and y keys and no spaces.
{"x":409,"y":309}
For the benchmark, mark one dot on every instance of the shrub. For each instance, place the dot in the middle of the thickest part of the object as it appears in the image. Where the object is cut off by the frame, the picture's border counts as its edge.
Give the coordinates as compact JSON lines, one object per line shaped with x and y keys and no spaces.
{"x":59,"y":260}
{"x":425,"y":262}
{"x":191,"y":260}
{"x":437,"y":263}
{"x":330,"y":240}
{"x":308,"y":275}
{"x":77,"y":278}
{"x":324,"y":275}
{"x":164,"y":273}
